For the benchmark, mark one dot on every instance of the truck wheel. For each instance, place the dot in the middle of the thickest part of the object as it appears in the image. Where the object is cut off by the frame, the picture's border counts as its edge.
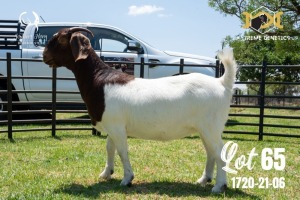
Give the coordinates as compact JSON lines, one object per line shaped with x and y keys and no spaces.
{"x":3,"y":107}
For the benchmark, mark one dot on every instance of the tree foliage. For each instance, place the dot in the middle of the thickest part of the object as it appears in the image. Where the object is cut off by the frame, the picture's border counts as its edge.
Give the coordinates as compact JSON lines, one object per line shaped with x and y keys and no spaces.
{"x":253,"y":51}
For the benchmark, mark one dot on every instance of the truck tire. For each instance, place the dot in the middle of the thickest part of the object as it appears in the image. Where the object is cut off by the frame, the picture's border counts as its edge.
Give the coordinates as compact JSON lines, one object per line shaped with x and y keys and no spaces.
{"x":3,"y":107}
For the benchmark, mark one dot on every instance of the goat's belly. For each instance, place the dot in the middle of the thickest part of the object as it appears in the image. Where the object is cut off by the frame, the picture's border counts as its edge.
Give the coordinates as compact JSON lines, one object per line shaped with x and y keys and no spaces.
{"x":159,"y":132}
{"x":159,"y":135}
{"x":148,"y":130}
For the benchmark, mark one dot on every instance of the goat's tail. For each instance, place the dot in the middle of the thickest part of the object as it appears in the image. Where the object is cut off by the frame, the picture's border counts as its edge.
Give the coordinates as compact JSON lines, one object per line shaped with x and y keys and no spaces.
{"x":226,"y":57}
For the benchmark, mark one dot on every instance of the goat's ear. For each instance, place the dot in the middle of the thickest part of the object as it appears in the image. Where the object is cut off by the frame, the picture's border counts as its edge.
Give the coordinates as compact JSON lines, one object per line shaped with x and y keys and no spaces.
{"x":80,"y":46}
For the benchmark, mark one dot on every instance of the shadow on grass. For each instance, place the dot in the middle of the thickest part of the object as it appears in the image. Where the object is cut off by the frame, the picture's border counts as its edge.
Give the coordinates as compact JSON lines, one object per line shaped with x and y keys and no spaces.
{"x":171,"y":189}
{"x":231,"y":122}
{"x":56,"y":137}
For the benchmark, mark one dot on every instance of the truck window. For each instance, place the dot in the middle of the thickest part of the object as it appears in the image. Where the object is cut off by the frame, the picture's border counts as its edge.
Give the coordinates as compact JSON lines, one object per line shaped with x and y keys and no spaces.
{"x":109,"y":40}
{"x":104,"y":39}
{"x":43,"y":34}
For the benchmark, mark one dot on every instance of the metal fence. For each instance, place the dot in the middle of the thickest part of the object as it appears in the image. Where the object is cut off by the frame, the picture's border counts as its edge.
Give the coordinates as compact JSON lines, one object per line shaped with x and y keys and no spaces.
{"x":256,"y":102}
{"x":267,"y":106}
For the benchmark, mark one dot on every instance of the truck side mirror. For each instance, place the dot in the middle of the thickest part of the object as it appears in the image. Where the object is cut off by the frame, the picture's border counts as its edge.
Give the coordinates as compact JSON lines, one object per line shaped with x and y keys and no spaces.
{"x":135,"y":46}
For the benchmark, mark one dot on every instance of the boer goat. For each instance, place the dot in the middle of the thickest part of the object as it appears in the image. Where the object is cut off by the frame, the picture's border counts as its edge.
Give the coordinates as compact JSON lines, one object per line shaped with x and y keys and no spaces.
{"x":158,"y":109}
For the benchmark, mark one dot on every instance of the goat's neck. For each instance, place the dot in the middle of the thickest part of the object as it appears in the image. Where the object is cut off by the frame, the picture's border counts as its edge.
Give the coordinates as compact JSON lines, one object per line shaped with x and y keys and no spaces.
{"x":92,"y":74}
{"x":86,"y":71}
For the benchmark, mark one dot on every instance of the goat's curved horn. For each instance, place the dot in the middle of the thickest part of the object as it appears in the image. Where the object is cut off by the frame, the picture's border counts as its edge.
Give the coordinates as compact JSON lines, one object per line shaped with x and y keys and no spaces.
{"x":75,"y":29}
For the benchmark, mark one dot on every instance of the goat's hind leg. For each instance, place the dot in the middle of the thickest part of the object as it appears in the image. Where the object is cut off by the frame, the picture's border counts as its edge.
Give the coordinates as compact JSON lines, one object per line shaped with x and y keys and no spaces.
{"x":213,"y":144}
{"x":109,"y":167}
{"x":221,"y":179}
{"x":208,"y":173}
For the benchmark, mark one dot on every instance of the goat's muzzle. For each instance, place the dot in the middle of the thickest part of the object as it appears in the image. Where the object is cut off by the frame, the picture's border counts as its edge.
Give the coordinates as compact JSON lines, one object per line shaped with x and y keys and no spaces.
{"x":51,"y":63}
{"x":48,"y":60}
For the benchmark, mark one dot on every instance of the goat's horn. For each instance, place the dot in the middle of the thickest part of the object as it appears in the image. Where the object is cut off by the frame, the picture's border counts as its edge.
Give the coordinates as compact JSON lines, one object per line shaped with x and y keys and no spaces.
{"x":75,"y":29}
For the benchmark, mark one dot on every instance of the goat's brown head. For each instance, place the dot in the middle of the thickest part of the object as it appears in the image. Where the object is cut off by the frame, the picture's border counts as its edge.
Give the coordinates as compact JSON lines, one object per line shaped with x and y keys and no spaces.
{"x":67,"y":47}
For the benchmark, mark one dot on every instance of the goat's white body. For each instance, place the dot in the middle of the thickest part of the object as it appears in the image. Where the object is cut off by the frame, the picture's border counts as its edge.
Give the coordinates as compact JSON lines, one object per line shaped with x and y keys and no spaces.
{"x":169,"y":108}
{"x":165,"y":108}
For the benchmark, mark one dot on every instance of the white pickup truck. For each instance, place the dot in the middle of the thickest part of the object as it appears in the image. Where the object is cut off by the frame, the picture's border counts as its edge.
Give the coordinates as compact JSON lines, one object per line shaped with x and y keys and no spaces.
{"x":113,"y":44}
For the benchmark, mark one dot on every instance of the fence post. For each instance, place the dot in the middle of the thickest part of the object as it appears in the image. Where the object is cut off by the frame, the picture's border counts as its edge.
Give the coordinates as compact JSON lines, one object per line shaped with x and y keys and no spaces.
{"x":9,"y":96}
{"x":181,"y":66}
{"x":95,"y":132}
{"x":262,"y":100}
{"x":222,"y":70}
{"x":54,"y":76}
{"x":217,"y":74}
{"x":142,"y":67}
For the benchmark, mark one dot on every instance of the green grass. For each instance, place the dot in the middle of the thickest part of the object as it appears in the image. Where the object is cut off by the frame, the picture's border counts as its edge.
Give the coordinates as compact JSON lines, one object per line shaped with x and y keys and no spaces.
{"x":67,"y":167}
{"x":37,"y":166}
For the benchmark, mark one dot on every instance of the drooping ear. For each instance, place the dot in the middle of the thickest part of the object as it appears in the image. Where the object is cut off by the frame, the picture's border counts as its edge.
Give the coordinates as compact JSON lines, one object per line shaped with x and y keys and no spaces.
{"x":80,"y":46}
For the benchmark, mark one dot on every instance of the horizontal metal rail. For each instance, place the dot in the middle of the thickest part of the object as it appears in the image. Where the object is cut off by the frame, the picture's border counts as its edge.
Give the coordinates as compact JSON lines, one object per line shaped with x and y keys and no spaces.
{"x":266,"y":96}
{"x":52,"y":108}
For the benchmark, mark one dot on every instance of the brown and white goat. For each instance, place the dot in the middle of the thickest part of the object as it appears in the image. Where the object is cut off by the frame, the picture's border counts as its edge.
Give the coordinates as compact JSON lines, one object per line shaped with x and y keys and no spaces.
{"x":157,"y":109}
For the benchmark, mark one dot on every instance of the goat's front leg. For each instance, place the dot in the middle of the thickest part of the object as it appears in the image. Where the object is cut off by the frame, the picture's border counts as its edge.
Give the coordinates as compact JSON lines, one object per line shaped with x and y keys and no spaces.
{"x":119,"y":138}
{"x":109,"y":167}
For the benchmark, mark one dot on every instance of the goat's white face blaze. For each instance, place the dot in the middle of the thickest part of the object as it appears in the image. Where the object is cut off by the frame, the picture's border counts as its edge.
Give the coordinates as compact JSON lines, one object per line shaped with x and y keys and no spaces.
{"x":159,"y":109}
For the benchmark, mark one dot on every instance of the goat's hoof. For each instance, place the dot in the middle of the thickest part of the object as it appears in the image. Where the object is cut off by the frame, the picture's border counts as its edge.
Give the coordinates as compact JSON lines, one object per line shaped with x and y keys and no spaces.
{"x":127,"y":182}
{"x":106,"y":174}
{"x":203,"y":180}
{"x":218,"y":189}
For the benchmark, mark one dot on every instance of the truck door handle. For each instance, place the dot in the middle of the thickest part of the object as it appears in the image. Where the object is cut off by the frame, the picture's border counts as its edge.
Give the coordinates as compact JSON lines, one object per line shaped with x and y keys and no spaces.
{"x":154,"y":61}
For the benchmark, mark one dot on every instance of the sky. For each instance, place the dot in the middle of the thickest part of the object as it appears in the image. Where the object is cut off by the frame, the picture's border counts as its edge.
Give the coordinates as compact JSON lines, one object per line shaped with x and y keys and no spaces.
{"x":189,"y":26}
